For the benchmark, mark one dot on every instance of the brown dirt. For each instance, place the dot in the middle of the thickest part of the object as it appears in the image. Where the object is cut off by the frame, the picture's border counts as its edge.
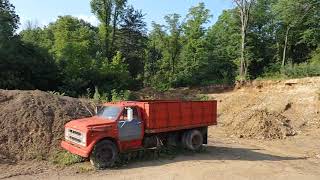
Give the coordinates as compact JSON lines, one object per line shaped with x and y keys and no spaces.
{"x":271,"y":109}
{"x":261,"y":124}
{"x":32,"y":122}
{"x":259,"y":109}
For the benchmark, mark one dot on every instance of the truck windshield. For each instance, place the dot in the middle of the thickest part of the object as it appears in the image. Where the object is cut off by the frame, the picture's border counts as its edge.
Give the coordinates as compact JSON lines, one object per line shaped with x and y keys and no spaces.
{"x":109,"y":112}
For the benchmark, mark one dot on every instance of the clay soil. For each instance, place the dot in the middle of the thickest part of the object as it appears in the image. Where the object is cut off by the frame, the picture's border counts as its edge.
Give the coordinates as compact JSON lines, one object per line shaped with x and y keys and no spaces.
{"x":267,"y":130}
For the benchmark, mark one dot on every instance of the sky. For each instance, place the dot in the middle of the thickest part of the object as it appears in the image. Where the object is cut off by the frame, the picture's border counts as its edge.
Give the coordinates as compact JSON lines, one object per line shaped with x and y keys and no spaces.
{"x":42,"y":12}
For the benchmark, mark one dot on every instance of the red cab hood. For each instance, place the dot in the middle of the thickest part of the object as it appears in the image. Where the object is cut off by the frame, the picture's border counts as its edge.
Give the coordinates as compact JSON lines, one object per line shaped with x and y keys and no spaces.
{"x":86,"y":123}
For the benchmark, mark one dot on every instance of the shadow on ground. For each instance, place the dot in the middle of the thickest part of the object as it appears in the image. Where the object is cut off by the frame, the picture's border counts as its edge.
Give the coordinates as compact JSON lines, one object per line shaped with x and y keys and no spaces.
{"x":209,"y":153}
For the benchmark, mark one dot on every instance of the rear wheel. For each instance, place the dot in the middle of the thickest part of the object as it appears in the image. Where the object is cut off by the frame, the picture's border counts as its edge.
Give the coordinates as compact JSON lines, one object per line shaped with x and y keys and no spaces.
{"x":194,"y":140}
{"x":104,"y":154}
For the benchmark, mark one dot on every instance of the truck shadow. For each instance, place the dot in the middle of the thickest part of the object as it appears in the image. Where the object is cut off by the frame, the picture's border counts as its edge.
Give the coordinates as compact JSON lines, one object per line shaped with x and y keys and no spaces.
{"x":212,"y":153}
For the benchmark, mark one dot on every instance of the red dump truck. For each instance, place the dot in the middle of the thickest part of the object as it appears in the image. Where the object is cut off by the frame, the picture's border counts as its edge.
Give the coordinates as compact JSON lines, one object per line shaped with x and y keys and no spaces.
{"x":135,"y":125}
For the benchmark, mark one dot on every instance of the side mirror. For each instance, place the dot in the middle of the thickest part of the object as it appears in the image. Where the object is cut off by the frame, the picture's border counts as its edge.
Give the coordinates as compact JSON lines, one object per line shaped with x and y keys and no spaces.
{"x":97,"y":109}
{"x":130,"y":114}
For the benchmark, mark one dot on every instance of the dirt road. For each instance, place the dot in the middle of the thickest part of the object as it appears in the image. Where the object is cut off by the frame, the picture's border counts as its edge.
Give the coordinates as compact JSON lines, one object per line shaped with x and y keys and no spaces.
{"x":225,"y":158}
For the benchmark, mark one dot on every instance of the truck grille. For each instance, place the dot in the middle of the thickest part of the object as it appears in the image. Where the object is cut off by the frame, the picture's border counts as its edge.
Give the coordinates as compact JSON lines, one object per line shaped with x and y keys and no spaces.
{"x":75,"y":136}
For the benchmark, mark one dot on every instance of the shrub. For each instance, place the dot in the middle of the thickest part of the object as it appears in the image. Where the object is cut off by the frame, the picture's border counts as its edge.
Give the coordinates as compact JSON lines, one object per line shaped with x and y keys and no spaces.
{"x":292,"y":71}
{"x":301,"y":70}
{"x":123,"y":95}
{"x":64,"y":158}
{"x":56,"y":93}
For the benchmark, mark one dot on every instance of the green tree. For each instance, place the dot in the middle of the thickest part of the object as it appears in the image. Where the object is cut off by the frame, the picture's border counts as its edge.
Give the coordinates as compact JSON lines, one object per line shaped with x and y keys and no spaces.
{"x":154,"y":55}
{"x":262,"y":46}
{"x":74,"y":51}
{"x":244,"y":8}
{"x":109,"y":13}
{"x":132,"y":40}
{"x":291,"y":15}
{"x":222,"y":44}
{"x":164,"y":51}
{"x":174,"y":44}
{"x":114,"y":75}
{"x":9,"y":21}
{"x":22,"y":65}
{"x":194,"y":56}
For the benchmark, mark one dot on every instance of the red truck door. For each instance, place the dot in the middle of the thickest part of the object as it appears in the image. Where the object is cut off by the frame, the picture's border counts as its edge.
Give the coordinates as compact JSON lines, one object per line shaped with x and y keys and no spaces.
{"x":130,"y":131}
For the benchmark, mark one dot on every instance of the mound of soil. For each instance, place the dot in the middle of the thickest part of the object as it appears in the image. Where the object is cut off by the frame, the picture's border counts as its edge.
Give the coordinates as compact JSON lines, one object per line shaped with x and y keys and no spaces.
{"x":32,"y":122}
{"x":271,"y":109}
{"x":261,"y":124}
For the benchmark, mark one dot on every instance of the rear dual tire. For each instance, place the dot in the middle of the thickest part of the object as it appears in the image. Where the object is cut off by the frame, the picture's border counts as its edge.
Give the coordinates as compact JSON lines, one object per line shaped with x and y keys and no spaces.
{"x":192,"y":140}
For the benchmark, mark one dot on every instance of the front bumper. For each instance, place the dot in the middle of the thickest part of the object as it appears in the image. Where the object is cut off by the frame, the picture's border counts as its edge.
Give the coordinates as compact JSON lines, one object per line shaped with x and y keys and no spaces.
{"x":74,"y":149}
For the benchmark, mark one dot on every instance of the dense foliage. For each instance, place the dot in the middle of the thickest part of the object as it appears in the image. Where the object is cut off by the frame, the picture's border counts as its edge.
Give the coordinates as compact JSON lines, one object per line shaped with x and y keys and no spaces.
{"x":282,"y":39}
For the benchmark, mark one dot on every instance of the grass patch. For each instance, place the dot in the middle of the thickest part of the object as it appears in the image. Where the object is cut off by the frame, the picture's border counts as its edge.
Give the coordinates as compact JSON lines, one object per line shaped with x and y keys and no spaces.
{"x":290,"y":71}
{"x":85,"y":168}
{"x":64,"y":158}
{"x":202,"y":97}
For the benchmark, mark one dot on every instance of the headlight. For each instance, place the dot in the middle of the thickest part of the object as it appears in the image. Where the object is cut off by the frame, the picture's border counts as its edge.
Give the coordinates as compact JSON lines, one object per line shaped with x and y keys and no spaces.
{"x":76,"y":136}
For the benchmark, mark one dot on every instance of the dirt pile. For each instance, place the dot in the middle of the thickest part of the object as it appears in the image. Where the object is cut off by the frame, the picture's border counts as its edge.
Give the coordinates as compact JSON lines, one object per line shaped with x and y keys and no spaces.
{"x":271,"y":109}
{"x":261,"y":124}
{"x":32,"y":122}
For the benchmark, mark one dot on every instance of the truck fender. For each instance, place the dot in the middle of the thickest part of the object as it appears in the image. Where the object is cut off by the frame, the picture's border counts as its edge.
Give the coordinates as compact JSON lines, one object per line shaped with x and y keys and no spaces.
{"x":93,"y":143}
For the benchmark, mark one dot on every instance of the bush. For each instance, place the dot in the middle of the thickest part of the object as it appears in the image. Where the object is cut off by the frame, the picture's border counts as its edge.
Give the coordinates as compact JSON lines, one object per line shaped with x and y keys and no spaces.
{"x":292,"y":71}
{"x":123,"y":95}
{"x":114,"y":95}
{"x":57,"y":93}
{"x":64,"y":158}
{"x":301,"y":70}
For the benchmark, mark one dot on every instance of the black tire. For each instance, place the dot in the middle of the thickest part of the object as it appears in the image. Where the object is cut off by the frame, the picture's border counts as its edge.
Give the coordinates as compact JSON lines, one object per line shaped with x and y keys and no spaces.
{"x":194,"y":140}
{"x":184,"y":139}
{"x":104,"y":154}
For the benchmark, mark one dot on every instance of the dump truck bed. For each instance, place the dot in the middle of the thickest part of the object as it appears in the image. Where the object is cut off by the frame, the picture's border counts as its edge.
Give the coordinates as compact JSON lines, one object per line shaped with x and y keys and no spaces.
{"x":164,"y":116}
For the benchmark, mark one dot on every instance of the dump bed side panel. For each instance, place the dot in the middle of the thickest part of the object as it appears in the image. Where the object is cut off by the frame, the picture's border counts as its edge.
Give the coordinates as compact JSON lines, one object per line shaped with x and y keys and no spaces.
{"x":169,"y":116}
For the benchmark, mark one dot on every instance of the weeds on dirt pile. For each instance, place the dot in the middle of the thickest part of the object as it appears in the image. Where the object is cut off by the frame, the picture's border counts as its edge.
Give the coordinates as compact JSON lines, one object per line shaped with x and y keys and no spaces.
{"x":64,"y":158}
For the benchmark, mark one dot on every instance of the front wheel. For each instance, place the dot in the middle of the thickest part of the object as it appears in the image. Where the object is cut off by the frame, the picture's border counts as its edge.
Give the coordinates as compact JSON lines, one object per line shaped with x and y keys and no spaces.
{"x":104,"y":154}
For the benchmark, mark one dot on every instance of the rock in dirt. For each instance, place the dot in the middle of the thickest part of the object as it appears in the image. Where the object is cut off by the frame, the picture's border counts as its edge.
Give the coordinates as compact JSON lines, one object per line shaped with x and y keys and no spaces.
{"x":32,"y":122}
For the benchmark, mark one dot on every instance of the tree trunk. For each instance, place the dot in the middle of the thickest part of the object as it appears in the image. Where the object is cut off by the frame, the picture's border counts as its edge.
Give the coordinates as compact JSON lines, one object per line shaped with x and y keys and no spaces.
{"x":285,"y":47}
{"x":106,"y":28}
{"x":244,"y":9}
{"x":107,"y":8}
{"x":115,"y":19}
{"x":242,"y":59}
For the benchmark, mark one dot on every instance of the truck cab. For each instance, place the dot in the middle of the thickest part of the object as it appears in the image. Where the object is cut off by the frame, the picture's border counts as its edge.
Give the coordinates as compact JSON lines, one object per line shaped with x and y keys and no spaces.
{"x":121,"y":125}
